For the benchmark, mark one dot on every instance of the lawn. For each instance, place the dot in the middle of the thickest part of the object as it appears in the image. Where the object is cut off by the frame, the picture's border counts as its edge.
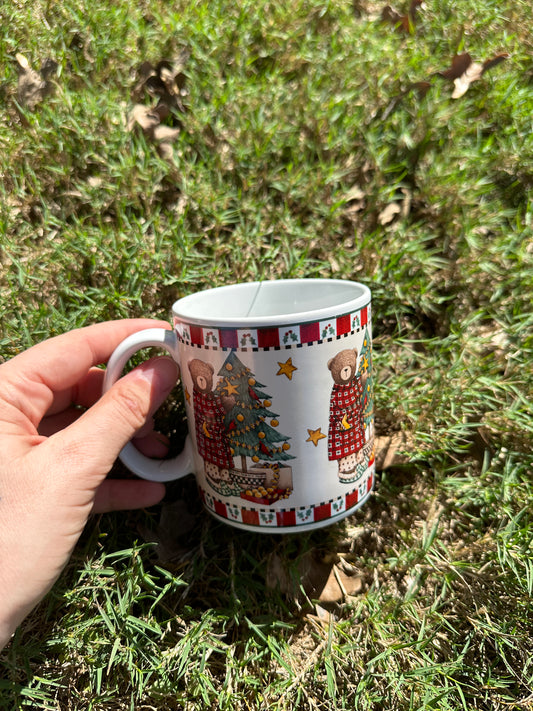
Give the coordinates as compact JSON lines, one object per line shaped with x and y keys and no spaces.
{"x":300,"y":139}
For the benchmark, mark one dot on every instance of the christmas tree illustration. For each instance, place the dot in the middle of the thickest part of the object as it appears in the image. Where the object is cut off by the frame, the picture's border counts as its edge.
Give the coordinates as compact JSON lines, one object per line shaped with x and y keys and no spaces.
{"x":365,"y":368}
{"x":247,"y":411}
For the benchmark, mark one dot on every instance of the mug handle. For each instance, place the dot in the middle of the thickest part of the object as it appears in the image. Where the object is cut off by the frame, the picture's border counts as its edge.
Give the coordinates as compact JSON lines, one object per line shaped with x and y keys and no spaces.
{"x":162,"y":470}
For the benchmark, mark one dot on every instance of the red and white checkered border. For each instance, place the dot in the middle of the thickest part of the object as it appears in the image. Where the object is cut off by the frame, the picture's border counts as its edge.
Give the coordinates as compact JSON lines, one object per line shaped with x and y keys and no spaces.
{"x":275,"y":337}
{"x":294,"y":517}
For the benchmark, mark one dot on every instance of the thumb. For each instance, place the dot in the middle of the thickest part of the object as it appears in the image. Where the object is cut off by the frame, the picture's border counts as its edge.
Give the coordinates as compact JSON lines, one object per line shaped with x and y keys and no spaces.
{"x":92,"y":443}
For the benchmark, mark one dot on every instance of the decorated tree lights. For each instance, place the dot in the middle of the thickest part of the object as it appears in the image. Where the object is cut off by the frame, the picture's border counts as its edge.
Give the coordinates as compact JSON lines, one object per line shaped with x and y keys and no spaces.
{"x":259,"y":444}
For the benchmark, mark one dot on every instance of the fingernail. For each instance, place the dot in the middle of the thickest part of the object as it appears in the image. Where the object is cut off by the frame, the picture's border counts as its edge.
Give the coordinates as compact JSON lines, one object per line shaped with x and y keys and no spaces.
{"x":161,"y":372}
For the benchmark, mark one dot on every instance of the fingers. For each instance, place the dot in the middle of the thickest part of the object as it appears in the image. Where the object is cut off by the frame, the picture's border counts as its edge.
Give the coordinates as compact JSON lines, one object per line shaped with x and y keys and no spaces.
{"x":153,"y":444}
{"x":123,"y":494}
{"x":147,"y":440}
{"x":91,"y":444}
{"x":57,"y":365}
{"x":84,"y":394}
{"x":54,"y":423}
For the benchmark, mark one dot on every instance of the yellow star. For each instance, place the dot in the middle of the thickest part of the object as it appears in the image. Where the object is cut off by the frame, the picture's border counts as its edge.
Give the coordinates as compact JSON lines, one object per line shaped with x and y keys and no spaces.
{"x":315,"y":436}
{"x":187,"y":395}
{"x":286,"y":368}
{"x":230,"y":388}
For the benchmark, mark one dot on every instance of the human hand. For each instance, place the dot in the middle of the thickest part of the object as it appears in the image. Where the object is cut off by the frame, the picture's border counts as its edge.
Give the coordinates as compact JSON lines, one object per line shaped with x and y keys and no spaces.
{"x":59,"y":437}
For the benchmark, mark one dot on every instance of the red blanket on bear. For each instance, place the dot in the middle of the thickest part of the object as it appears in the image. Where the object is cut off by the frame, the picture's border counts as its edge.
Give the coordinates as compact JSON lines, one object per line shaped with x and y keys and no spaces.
{"x":346,"y":430}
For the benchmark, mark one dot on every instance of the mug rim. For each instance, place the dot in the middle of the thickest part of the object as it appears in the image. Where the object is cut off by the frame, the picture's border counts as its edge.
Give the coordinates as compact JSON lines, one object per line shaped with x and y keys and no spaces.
{"x":183,"y":308}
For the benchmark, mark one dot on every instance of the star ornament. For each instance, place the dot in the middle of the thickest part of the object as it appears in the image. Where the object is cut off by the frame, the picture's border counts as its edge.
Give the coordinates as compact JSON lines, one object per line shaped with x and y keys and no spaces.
{"x":230,"y":388}
{"x":286,"y":368}
{"x":315,"y":436}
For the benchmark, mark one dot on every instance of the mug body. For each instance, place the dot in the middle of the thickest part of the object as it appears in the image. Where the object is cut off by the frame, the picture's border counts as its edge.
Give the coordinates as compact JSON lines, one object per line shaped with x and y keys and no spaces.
{"x":278,"y":385}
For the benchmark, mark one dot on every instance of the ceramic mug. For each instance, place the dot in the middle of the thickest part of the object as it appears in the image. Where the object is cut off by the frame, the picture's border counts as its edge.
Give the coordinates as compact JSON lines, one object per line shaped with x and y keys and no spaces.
{"x":277,"y":378}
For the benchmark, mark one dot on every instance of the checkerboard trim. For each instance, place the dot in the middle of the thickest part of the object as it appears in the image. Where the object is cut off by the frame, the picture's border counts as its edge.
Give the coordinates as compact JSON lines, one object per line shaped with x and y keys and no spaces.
{"x":292,"y":517}
{"x":271,"y":338}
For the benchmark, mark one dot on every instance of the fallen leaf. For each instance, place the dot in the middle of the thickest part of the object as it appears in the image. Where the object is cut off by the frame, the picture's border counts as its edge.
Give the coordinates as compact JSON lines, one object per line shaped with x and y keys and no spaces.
{"x":176,"y":522}
{"x":166,"y":81}
{"x":391,"y":450}
{"x":402,"y":22}
{"x":464,"y":71}
{"x":166,"y":134}
{"x":462,"y":83}
{"x":406,"y":203}
{"x":339,"y":585}
{"x":32,"y":87}
{"x":324,"y":617}
{"x":389,"y":14}
{"x":321,"y":576}
{"x":460,"y":64}
{"x":166,"y":151}
{"x":23,"y":62}
{"x":387,"y":215}
{"x":354,"y":194}
{"x":421,"y":88}
{"x":144,"y":117}
{"x":354,"y":201}
{"x":149,"y":121}
{"x":494,"y":61}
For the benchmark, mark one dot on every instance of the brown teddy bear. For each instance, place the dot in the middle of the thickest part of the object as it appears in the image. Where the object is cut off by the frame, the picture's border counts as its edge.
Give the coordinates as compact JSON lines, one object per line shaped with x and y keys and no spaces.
{"x":211,"y":440}
{"x":346,"y":436}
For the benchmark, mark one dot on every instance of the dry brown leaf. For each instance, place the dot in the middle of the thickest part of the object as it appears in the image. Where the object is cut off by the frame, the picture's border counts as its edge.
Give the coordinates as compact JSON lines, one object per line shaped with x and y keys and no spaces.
{"x":322,"y":577}
{"x":405,"y":22}
{"x":354,"y":194}
{"x":23,"y":62}
{"x":355,"y":201}
{"x":166,"y":151}
{"x":494,"y":61}
{"x":462,"y":83}
{"x":407,"y":201}
{"x":391,"y":450}
{"x":165,"y":134}
{"x":31,"y":87}
{"x":172,"y":532}
{"x":464,"y":71}
{"x":145,"y":118}
{"x":332,"y":591}
{"x":340,"y":585}
{"x":387,"y":215}
{"x":460,"y":64}
{"x":421,"y":88}
{"x":323,"y":616}
{"x":166,"y":81}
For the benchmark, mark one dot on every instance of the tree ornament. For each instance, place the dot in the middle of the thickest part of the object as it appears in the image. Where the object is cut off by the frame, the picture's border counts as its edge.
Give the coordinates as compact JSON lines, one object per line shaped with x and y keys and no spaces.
{"x":252,"y":436}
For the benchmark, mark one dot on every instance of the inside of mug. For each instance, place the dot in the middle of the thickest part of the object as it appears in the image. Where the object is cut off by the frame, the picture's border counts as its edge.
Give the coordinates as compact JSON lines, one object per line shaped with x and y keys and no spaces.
{"x":278,"y":300}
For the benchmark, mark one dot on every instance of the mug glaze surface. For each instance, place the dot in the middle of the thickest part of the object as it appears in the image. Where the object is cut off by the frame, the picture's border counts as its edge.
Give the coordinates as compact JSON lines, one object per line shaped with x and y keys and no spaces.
{"x":278,"y":385}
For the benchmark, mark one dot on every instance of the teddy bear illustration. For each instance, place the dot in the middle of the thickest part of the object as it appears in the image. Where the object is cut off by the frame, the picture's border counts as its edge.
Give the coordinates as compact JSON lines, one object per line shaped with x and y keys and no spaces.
{"x":209,"y":411}
{"x":346,"y":437}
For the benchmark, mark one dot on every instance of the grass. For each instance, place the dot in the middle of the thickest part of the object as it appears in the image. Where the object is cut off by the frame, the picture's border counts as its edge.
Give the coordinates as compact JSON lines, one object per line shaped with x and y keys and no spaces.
{"x":287,"y":107}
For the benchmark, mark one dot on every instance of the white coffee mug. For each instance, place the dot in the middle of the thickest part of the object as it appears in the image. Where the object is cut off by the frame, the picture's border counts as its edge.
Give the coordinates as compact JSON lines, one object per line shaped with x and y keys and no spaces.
{"x":278,"y":384}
